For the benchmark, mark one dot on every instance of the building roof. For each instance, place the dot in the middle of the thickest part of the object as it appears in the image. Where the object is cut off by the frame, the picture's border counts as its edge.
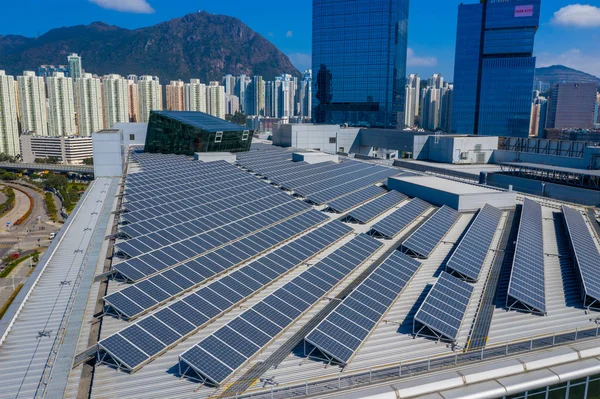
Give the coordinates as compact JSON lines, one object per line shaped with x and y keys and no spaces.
{"x":201,"y":120}
{"x":552,"y":168}
{"x":450,"y":186}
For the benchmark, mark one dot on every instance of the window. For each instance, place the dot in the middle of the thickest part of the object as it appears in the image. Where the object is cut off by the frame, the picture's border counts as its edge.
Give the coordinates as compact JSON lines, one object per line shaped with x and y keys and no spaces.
{"x":219,"y":137}
{"x":332,"y":140}
{"x":341,"y":149}
{"x":132,"y":137}
{"x":245,"y":135}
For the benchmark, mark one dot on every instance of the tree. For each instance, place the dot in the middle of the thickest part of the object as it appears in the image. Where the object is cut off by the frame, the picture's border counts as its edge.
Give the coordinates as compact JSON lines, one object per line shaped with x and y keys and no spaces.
{"x":238,"y":117}
{"x":88,"y":161}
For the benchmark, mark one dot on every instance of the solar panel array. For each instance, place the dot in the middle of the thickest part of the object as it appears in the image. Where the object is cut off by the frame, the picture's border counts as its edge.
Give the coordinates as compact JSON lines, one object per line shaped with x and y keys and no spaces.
{"x":443,"y":310}
{"x":468,"y":259}
{"x":526,"y":286}
{"x":344,"y":330}
{"x":586,"y":255}
{"x":427,"y":237}
{"x":147,"y":294}
{"x":319,"y":183}
{"x":367,"y":212}
{"x":138,"y":343}
{"x":393,"y":224}
{"x":354,"y":199}
{"x":220,"y":354}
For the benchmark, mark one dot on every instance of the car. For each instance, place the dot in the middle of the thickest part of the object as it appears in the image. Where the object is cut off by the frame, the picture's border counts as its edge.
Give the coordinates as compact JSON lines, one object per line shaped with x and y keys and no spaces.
{"x":51,"y":236}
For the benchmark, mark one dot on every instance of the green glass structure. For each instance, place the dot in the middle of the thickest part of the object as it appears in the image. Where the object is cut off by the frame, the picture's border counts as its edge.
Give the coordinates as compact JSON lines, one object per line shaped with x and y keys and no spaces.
{"x":186,"y":132}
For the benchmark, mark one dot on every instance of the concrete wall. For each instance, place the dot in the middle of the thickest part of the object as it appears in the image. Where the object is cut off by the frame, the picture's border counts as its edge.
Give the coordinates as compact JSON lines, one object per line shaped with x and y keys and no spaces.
{"x":108,"y":153}
{"x":550,"y":190}
{"x":514,"y":156}
{"x":326,"y":138}
{"x":453,"y":149}
{"x":133,"y":133}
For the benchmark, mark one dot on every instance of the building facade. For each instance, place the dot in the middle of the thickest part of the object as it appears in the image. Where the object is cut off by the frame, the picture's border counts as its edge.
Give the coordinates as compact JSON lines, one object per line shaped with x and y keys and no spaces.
{"x":194,"y":96}
{"x":150,"y":96}
{"x":88,"y":91}
{"x":359,"y":54}
{"x":32,"y":98}
{"x":412,"y":97}
{"x":75,"y":70}
{"x":571,"y":106}
{"x":215,"y":100}
{"x":175,"y":96}
{"x":9,"y":125}
{"x":67,"y":149}
{"x":61,"y":105}
{"x":115,"y":91}
{"x":494,"y":67}
{"x":134,"y":99}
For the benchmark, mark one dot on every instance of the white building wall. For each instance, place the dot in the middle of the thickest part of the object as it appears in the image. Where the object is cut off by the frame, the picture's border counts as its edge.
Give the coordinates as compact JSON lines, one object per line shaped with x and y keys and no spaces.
{"x":88,"y":91}
{"x":194,"y":96}
{"x":216,"y":105}
{"x":32,"y":97}
{"x":108,"y":153}
{"x":326,"y":138}
{"x":61,"y":105}
{"x":69,"y":150}
{"x":150,"y":96}
{"x":115,"y":92}
{"x":9,"y":127}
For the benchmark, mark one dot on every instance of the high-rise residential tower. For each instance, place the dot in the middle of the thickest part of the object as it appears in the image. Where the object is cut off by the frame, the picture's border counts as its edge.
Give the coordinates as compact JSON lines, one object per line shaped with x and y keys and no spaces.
{"x":412,"y":97}
{"x":215,"y":100}
{"x":75,"y":70}
{"x":255,"y":97}
{"x":61,"y":105}
{"x":175,"y":95}
{"x":88,"y":91}
{"x":194,"y":96}
{"x":150,"y":96}
{"x":494,"y":67}
{"x":305,"y":95}
{"x":9,"y":127}
{"x":115,"y":93}
{"x":134,"y":101}
{"x":32,"y":98}
{"x":571,"y":105}
{"x":359,"y":61}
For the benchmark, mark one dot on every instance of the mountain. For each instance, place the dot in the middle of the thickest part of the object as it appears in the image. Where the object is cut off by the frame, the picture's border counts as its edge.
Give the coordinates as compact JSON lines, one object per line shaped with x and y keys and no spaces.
{"x":560,"y":73}
{"x":199,"y":45}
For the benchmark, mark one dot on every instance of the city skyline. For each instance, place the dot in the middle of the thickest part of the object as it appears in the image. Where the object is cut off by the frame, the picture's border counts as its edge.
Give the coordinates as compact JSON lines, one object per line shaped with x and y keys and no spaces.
{"x":566,"y":35}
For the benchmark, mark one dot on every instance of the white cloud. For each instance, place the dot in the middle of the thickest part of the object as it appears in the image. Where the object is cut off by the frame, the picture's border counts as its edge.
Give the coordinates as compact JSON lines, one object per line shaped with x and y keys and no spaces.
{"x":578,"y":15}
{"x":289,"y":33}
{"x":301,"y":61}
{"x":134,"y":6}
{"x":574,"y":58}
{"x":415,"y":61}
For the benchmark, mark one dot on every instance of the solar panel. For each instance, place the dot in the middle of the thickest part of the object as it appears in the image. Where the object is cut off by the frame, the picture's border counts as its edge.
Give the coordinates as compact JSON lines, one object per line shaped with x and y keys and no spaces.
{"x":173,"y":323}
{"x":343,"y":331}
{"x":354,"y":199}
{"x":393,"y":224}
{"x":149,"y":293}
{"x":469,"y":257}
{"x":367,"y":212}
{"x":443,"y":310}
{"x":587,"y":256}
{"x":273,"y":314}
{"x":526,"y":290}
{"x":427,"y":237}
{"x":331,"y":193}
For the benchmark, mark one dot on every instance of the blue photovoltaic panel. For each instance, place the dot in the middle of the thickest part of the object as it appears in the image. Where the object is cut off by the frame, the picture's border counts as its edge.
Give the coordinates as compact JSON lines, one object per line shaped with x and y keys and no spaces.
{"x":586,"y":255}
{"x":444,"y":308}
{"x":468,"y":258}
{"x":341,"y":333}
{"x":393,"y":224}
{"x":171,"y":324}
{"x":354,"y":199}
{"x":275,"y":313}
{"x":526,"y":287}
{"x":367,"y":212}
{"x":427,"y":237}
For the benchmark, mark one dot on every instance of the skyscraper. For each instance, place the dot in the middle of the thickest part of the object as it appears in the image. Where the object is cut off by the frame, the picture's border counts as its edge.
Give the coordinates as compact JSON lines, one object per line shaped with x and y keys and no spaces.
{"x":133,"y":98}
{"x":215,"y":100}
{"x":255,"y":97}
{"x":150,"y":96}
{"x":305,"y":95}
{"x":32,"y":97}
{"x":571,"y":105}
{"x":115,"y":93}
{"x":9,"y":127}
{"x":75,"y":71}
{"x":61,"y":105}
{"x":494,"y":67}
{"x":359,"y":61}
{"x":412,"y":97}
{"x":88,"y":92}
{"x":195,"y":96}
{"x":175,"y":95}
{"x":597,"y":110}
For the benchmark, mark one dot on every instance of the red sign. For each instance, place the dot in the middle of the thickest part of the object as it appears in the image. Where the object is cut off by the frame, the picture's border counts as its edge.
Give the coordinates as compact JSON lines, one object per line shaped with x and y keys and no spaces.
{"x":523,"y":11}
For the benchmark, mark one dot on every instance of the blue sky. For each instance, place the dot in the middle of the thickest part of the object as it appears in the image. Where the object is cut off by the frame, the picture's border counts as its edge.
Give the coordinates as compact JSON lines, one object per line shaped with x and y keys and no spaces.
{"x":569,"y":32}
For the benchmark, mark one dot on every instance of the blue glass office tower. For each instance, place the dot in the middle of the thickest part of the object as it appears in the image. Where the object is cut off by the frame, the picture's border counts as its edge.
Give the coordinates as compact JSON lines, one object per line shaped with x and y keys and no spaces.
{"x":359,"y":62}
{"x":494,"y":67}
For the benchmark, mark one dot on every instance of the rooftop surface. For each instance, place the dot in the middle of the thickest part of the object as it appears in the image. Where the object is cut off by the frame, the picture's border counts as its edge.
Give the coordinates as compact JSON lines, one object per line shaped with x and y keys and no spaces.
{"x":450,"y":186}
{"x":552,"y":168}
{"x":201,"y":120}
